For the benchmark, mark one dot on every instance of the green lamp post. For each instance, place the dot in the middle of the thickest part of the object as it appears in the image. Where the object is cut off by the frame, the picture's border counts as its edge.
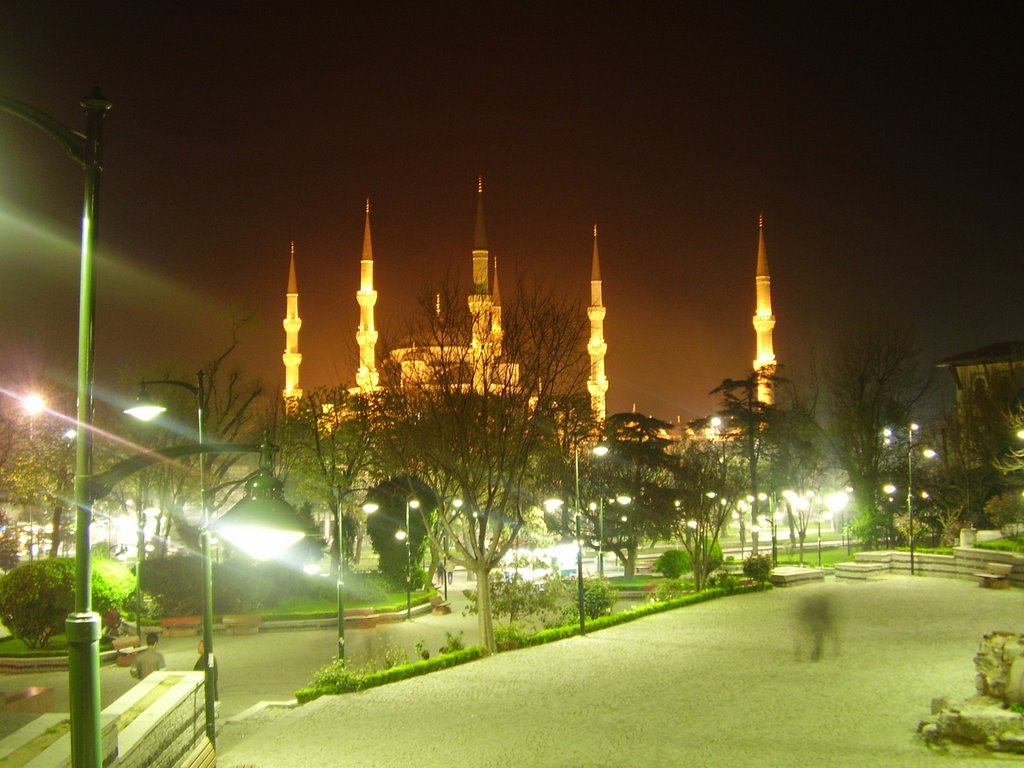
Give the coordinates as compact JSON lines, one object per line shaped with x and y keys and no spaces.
{"x":83,"y":625}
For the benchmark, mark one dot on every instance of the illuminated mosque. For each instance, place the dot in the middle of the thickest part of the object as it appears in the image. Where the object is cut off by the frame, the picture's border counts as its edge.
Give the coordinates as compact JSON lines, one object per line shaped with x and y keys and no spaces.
{"x":485,"y":309}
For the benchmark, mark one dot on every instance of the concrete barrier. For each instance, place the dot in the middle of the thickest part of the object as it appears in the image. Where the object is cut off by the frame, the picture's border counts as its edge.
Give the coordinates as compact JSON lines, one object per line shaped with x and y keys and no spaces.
{"x":964,"y":563}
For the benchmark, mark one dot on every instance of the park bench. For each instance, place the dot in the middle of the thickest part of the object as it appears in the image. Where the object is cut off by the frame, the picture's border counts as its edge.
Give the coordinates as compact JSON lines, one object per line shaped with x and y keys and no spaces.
{"x":180,"y":626}
{"x":996,"y":575}
{"x":241,"y":623}
{"x":438,"y":606}
{"x":34,"y":699}
{"x":127,"y":646}
{"x":202,"y":755}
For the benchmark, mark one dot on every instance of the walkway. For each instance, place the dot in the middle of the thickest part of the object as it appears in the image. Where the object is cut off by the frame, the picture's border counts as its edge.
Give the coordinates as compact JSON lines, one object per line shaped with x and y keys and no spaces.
{"x":717,"y":684}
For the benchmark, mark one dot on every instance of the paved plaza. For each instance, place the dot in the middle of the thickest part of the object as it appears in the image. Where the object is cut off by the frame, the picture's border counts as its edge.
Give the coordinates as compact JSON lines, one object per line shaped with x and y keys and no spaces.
{"x":725,"y":683}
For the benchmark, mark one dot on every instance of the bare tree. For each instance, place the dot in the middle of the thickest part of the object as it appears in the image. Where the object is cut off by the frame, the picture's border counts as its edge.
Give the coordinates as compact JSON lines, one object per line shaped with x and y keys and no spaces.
{"x":231,"y":415}
{"x":873,"y":382}
{"x":328,"y":454}
{"x":469,"y":414}
{"x":708,"y":491}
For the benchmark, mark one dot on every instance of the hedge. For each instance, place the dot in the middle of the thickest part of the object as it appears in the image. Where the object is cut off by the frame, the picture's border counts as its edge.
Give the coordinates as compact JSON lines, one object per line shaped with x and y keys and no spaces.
{"x":335,"y":678}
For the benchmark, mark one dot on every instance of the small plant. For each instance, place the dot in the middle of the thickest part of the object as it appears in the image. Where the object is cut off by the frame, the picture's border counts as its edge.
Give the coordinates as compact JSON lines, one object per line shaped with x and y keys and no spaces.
{"x":669,"y":590}
{"x":673,"y":563}
{"x":723,"y":580}
{"x":421,"y":649}
{"x":509,"y":638}
{"x":453,"y":643}
{"x":758,"y":568}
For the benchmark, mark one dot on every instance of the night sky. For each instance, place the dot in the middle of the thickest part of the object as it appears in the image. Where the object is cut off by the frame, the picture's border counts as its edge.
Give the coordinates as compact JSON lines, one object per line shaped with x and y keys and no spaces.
{"x":881,"y":141}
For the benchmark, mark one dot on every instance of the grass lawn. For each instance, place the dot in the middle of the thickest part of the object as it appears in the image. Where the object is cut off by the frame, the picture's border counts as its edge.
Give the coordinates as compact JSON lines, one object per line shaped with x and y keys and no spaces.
{"x":313,"y":608}
{"x":829,"y":555}
{"x":12,"y":646}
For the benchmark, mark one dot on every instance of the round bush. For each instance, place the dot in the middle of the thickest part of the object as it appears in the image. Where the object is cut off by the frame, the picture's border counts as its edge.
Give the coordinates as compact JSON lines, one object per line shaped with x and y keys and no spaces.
{"x":673,"y":563}
{"x":36,"y":597}
{"x":758,"y":568}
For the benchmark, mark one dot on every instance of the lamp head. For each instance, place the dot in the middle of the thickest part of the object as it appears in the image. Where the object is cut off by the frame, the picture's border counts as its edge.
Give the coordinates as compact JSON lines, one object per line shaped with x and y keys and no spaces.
{"x":145,"y":408}
{"x":262,"y":524}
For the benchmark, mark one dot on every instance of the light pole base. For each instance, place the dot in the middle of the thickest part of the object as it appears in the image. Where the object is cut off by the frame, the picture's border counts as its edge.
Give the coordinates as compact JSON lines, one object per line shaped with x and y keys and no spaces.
{"x":83,"y":634}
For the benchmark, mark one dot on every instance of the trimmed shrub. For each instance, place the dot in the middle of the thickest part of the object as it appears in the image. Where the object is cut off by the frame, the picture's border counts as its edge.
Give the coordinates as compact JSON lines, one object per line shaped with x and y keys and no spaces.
{"x":113,"y":585}
{"x":239,"y":586}
{"x":36,"y":597}
{"x":724,"y":581}
{"x":337,"y":678}
{"x":758,"y":568}
{"x":673,"y":563}
{"x":509,"y":638}
{"x":598,"y":598}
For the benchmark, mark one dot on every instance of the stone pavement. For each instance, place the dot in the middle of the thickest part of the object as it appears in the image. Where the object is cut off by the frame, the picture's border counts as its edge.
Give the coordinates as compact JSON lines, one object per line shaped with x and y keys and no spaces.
{"x":271,"y":666}
{"x":725,"y":683}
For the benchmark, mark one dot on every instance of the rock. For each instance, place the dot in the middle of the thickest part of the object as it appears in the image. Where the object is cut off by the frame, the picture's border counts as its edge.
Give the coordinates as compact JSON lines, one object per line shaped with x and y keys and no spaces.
{"x":977,"y":722}
{"x":1011,"y":741}
{"x":1015,"y":682}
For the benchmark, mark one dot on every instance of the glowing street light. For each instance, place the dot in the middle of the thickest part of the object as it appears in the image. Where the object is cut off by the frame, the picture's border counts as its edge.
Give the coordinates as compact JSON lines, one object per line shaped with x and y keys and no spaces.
{"x":262,"y":524}
{"x":927,"y":453}
{"x":33,"y":404}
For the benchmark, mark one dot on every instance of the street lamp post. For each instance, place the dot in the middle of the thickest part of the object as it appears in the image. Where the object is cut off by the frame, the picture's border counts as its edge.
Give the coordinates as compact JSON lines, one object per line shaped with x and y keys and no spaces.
{"x":928,"y":453}
{"x":410,"y":503}
{"x":369,"y":507}
{"x":579,"y":548}
{"x":145,"y":409}
{"x":600,"y":450}
{"x":83,"y":625}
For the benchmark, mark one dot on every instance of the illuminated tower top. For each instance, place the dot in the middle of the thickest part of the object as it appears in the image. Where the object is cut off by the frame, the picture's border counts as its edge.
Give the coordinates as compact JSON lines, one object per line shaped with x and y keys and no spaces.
{"x":481,"y":285}
{"x":292,"y":322}
{"x":367,"y":377}
{"x":764,"y":320}
{"x":597,"y":384}
{"x":481,"y":300}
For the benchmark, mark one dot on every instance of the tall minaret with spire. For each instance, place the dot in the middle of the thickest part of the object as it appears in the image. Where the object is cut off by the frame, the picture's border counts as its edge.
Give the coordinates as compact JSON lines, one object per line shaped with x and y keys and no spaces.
{"x":764,"y":320}
{"x":597,"y":384}
{"x":367,"y":377}
{"x":497,"y":333}
{"x":480,"y":300}
{"x":291,"y":358}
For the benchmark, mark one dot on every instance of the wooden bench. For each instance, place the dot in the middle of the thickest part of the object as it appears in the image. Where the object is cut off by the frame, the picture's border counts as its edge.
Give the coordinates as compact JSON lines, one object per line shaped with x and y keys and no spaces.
{"x":127,"y":647}
{"x":35,"y":699}
{"x":202,"y":755}
{"x":181,"y":626}
{"x":438,"y":606}
{"x":996,"y":576}
{"x":241,"y":623}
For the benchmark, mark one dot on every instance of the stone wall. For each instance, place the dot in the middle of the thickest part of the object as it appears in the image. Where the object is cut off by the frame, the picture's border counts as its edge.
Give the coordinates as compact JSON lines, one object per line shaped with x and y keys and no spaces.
{"x":962,"y":564}
{"x":162,"y":719}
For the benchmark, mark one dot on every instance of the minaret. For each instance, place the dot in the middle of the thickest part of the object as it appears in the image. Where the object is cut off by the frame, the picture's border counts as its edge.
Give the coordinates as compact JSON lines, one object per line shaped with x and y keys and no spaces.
{"x":291,"y":357}
{"x":597,"y":384}
{"x":497,"y":333}
{"x":480,"y":299}
{"x":367,"y":377}
{"x":764,"y":320}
